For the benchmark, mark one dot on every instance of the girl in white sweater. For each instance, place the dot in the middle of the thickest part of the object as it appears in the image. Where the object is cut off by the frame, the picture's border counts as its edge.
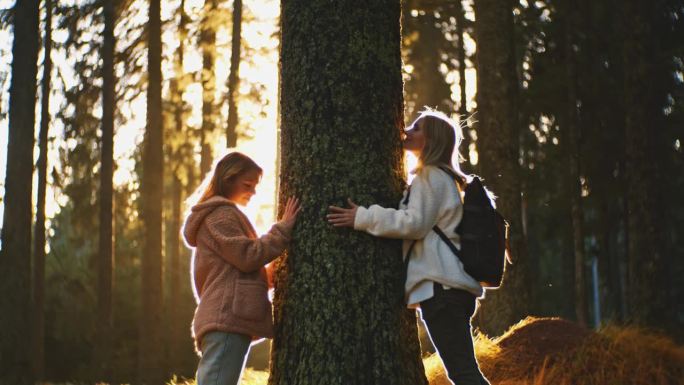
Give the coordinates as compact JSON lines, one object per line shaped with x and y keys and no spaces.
{"x":436,"y":281}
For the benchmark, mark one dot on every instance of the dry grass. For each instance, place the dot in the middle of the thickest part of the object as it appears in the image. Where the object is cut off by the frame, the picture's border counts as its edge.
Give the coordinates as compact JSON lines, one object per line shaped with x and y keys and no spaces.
{"x":249,"y":377}
{"x":550,"y":351}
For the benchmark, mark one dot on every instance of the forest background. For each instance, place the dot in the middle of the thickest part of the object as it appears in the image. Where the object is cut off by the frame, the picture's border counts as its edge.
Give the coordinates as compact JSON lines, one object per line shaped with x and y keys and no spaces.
{"x":600,"y":125}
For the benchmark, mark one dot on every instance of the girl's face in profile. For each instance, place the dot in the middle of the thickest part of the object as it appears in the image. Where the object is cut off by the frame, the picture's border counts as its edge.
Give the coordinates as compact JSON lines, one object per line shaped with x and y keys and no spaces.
{"x":414,"y":138}
{"x":243,"y":187}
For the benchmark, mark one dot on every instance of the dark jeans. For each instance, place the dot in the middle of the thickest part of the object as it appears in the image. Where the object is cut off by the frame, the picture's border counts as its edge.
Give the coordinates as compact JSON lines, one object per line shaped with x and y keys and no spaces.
{"x":447,"y":318}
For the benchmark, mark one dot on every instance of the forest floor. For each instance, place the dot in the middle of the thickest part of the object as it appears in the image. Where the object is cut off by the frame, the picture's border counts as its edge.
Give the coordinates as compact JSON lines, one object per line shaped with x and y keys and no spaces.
{"x":553,"y":351}
{"x":546,"y":351}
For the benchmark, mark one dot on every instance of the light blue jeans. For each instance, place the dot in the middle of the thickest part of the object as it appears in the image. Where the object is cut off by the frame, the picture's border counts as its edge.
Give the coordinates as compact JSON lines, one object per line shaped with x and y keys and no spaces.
{"x":223,"y":358}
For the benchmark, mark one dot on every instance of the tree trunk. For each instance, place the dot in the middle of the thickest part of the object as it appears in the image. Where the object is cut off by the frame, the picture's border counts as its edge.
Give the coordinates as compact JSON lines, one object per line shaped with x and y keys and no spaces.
{"x":339,"y":310}
{"x":234,"y":77}
{"x":460,"y":53}
{"x":15,"y":260}
{"x":498,"y":145}
{"x":178,"y":330}
{"x":106,"y":244}
{"x":208,"y":46}
{"x":572,"y":149}
{"x":39,"y":227}
{"x":151,"y":349}
{"x":647,"y":272}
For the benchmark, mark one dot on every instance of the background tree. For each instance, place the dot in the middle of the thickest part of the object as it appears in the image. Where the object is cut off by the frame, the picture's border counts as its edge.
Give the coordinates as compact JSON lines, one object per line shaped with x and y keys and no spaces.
{"x":571,"y":145}
{"x":151,"y":353}
{"x":234,"y":77}
{"x":179,"y":147}
{"x":341,"y":105}
{"x":106,"y":240}
{"x":498,"y":143}
{"x":38,"y":353}
{"x":15,"y":259}
{"x":207,"y":42}
{"x":644,"y":100}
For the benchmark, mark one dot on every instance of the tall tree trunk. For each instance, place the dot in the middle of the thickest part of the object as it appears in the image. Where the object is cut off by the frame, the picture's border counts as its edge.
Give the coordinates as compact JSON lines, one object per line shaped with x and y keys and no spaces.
{"x":106,"y":241}
{"x":234,"y":77}
{"x":15,"y":260}
{"x":460,"y":53}
{"x":647,"y":273}
{"x":178,"y":330}
{"x":497,"y":90}
{"x":339,"y":310}
{"x":208,"y":46}
{"x":151,"y":343}
{"x":39,"y":227}
{"x":572,"y":149}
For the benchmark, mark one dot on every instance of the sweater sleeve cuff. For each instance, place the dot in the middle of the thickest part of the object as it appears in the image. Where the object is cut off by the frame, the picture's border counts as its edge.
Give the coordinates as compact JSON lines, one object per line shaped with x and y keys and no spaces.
{"x":361,"y":219}
{"x":284,"y":230}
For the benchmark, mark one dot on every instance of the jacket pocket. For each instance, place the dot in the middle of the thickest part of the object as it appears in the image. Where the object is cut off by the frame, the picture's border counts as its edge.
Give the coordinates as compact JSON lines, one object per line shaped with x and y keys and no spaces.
{"x":250,"y":300}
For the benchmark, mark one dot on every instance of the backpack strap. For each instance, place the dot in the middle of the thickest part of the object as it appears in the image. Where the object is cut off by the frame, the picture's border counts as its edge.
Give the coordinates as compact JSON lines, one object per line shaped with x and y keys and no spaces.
{"x":446,"y":240}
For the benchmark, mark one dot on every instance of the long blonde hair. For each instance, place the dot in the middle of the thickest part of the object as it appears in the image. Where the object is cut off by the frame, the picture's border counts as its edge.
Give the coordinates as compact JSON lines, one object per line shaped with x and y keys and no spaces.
{"x":217,"y":183}
{"x":442,"y":137}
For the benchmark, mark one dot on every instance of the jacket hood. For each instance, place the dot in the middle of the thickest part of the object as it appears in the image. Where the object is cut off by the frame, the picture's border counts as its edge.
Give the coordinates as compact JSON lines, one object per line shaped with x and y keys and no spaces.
{"x":196,"y":217}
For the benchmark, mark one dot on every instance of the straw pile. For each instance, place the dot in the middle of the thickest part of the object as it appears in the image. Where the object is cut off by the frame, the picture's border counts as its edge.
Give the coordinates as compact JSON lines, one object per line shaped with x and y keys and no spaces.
{"x":546,"y":351}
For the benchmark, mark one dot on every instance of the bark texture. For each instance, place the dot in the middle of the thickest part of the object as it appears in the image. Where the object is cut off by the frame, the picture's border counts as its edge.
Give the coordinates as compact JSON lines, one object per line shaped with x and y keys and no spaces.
{"x":571,"y":147}
{"x":648,"y":285}
{"x":498,"y":144}
{"x":208,"y":46}
{"x":151,"y":352}
{"x":15,"y":259}
{"x":39,"y":227}
{"x":339,"y":311}
{"x":106,"y":240}
{"x":234,"y":77}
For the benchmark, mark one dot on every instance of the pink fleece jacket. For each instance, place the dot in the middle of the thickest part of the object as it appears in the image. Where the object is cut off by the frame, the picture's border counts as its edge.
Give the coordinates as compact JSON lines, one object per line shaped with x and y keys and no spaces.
{"x":229,"y":278}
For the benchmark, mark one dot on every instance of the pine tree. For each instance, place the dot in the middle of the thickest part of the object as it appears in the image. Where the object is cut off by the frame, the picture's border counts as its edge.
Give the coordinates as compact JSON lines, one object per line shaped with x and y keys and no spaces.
{"x":39,"y":227}
{"x":498,"y":142}
{"x":647,"y":268}
{"x":339,"y":307}
{"x":151,"y":352}
{"x":234,"y":77}
{"x":106,"y":240}
{"x":208,"y":47}
{"x":15,"y":258}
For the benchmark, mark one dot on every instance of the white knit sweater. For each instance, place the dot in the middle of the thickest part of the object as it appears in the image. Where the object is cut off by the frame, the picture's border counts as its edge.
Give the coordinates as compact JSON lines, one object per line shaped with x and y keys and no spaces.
{"x":434,"y":199}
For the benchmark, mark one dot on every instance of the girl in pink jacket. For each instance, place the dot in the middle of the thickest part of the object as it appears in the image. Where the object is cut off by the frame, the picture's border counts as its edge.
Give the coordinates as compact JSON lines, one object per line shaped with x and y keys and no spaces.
{"x":228,"y":273}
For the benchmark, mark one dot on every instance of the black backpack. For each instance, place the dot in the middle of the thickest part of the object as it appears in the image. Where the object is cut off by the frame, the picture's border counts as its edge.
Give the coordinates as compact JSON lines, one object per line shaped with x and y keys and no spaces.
{"x":483,"y":233}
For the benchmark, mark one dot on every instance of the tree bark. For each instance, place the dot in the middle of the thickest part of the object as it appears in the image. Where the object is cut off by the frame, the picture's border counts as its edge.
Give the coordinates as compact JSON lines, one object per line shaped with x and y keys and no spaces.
{"x":572,"y":148}
{"x":339,"y":310}
{"x":460,"y":53}
{"x":178,"y":330}
{"x":151,"y":349}
{"x":498,"y":145}
{"x":106,"y":240}
{"x":234,"y":77}
{"x":39,"y":227}
{"x":647,"y":271}
{"x":15,"y":261}
{"x":208,"y":46}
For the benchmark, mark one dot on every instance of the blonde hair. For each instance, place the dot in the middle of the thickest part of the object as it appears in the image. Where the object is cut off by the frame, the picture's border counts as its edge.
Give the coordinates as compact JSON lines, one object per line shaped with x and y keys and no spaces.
{"x":442,"y":137}
{"x":226,"y":170}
